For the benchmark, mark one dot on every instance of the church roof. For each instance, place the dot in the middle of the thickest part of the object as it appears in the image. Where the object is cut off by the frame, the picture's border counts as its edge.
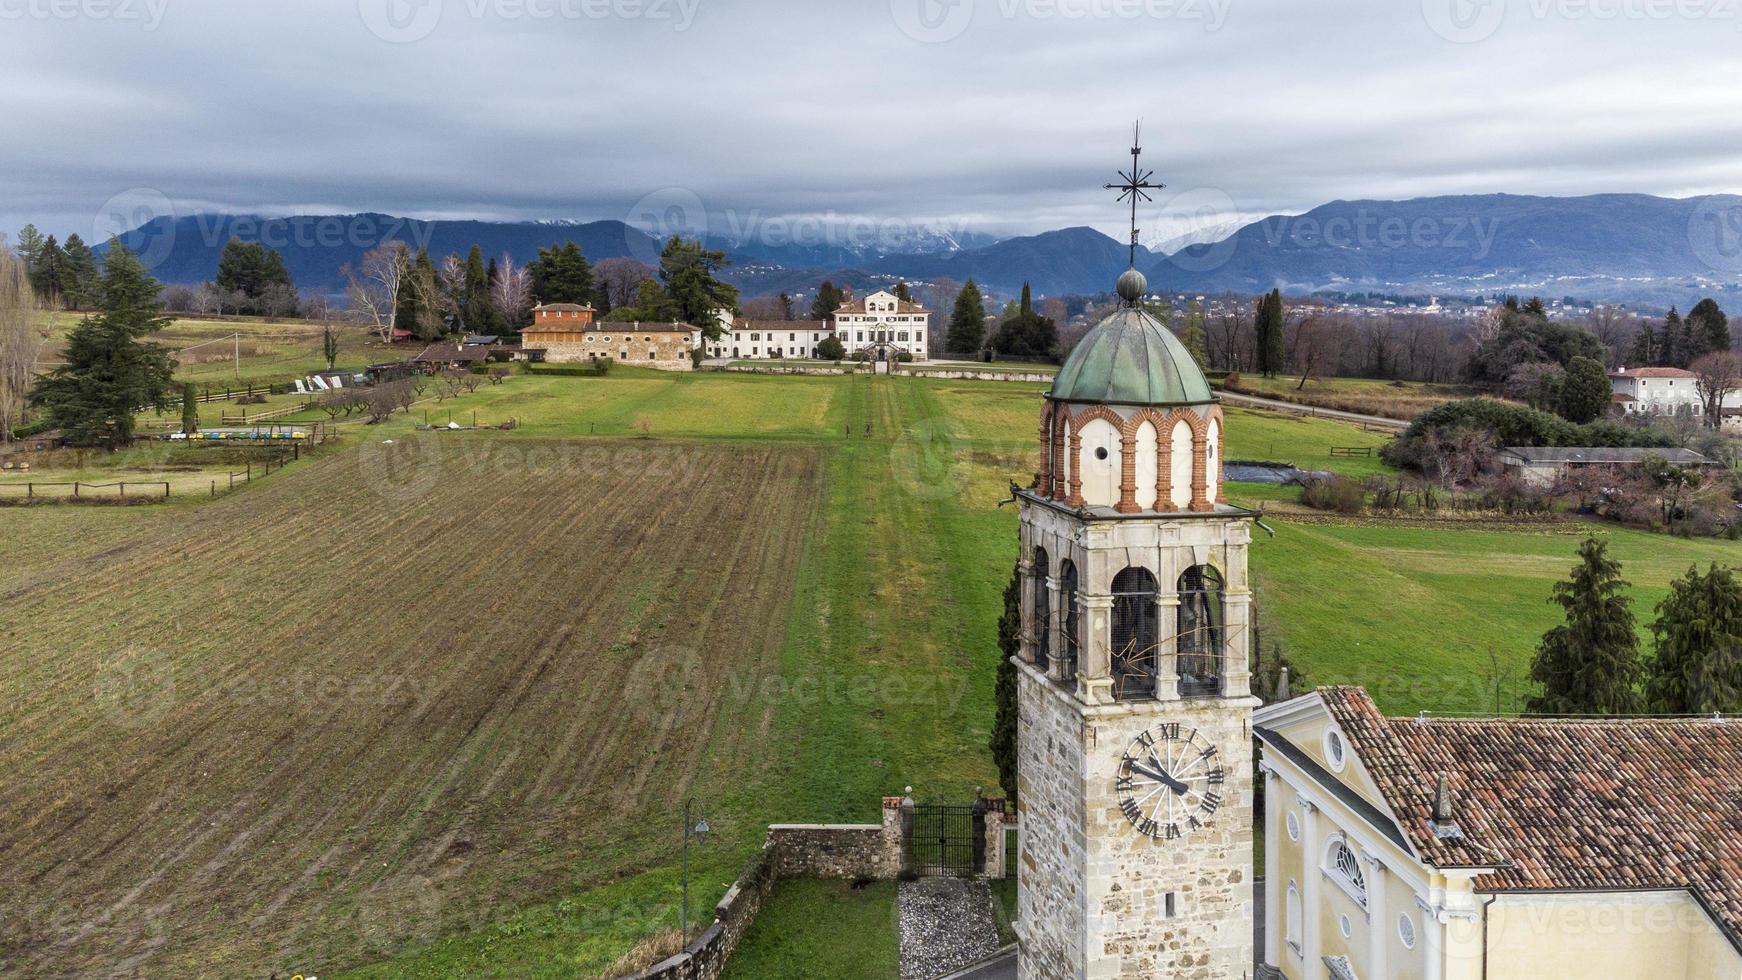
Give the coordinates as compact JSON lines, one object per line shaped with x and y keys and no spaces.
{"x":1618,"y":803}
{"x":1131,"y":358}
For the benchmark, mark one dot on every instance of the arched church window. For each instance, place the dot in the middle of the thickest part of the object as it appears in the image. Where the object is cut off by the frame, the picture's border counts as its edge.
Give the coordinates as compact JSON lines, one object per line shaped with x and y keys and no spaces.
{"x":1295,"y":919}
{"x":1343,"y":866}
{"x":1200,"y":630}
{"x":1042,"y":608}
{"x":1136,"y":634}
{"x":1068,"y":609}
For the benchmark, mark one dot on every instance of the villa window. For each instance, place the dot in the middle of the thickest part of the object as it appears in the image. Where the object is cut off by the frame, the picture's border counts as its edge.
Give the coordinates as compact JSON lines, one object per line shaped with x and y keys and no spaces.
{"x":1136,"y":634}
{"x":1200,"y":629}
{"x":1295,"y":919}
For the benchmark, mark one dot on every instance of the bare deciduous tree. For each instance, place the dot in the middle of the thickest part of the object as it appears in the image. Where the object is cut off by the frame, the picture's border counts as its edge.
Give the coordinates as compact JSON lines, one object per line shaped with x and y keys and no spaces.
{"x":511,"y":293}
{"x":619,"y":278}
{"x":20,"y":342}
{"x":374,"y":292}
{"x":1717,"y":375}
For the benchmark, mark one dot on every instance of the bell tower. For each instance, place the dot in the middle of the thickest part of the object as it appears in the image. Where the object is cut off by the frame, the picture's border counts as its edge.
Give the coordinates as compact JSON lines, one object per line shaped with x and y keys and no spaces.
{"x":1134,"y":740}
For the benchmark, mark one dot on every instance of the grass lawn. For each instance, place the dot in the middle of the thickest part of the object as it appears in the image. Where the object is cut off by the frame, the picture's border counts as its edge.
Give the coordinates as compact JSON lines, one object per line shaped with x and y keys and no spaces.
{"x":822,"y":930}
{"x":874,"y":669}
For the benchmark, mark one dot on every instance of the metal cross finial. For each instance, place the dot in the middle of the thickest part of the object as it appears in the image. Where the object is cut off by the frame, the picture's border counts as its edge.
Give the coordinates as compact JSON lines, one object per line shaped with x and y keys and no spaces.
{"x":1135,"y":185}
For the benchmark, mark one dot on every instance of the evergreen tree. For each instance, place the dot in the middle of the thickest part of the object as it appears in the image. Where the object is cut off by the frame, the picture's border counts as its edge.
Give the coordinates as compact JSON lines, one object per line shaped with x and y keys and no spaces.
{"x":1272,"y":346}
{"x":1026,"y":307}
{"x":691,"y":275}
{"x":78,"y":277}
{"x":1195,"y":337}
{"x":190,"y":410}
{"x":829,"y":299}
{"x":1590,"y":664}
{"x":967,"y":329}
{"x":1709,"y":326}
{"x":255,"y":273}
{"x":109,"y":371}
{"x":45,"y":276}
{"x":830,"y":348}
{"x":418,"y":308}
{"x":561,"y":274}
{"x":1697,"y":668}
{"x":1645,"y":351}
{"x":30,"y":245}
{"x":479,"y":313}
{"x":785,"y":302}
{"x":1003,"y":741}
{"x":902,"y":293}
{"x":1585,"y":393}
{"x":1670,"y":339}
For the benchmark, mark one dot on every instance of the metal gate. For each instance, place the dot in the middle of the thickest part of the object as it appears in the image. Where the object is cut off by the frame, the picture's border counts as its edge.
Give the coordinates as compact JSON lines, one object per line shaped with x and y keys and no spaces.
{"x":947,"y":839}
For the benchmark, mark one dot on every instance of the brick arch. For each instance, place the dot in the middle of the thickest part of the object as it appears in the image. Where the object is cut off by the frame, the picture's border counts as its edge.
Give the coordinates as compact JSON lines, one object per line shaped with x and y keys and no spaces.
{"x":1200,"y":502}
{"x":1061,"y":429}
{"x":1214,"y":494}
{"x":1043,"y":476}
{"x":1163,"y":453}
{"x":1127,"y":463}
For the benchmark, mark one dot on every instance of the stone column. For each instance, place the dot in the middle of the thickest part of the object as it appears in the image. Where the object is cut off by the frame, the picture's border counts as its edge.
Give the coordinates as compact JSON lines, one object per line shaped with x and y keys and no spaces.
{"x":1167,"y":651}
{"x":1127,"y":475}
{"x":1055,"y":624}
{"x":1094,"y":654}
{"x":1274,"y":912}
{"x":1433,"y":939}
{"x":1310,"y":878}
{"x":995,"y":839}
{"x":1236,"y":644}
{"x":1378,"y":924}
{"x":891,"y":839}
{"x":1028,"y":639}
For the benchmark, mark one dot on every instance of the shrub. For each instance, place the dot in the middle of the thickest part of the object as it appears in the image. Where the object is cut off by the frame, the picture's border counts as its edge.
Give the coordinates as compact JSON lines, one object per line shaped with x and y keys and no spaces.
{"x":1333,"y":493}
{"x":831,"y":349}
{"x":601,"y":365}
{"x":33,"y":429}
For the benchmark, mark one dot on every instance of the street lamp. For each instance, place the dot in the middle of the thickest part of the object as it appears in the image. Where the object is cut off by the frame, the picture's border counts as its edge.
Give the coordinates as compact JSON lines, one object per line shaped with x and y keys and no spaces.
{"x":701,"y":830}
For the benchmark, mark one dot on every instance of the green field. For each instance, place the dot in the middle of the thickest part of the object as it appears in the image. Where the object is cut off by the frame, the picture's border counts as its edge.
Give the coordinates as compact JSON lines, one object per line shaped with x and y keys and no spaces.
{"x":871,"y":666}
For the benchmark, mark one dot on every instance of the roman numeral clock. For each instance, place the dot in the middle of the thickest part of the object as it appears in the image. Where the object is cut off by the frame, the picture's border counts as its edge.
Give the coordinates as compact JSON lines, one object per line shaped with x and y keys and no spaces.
{"x":1134,"y":738}
{"x":1170,"y":782}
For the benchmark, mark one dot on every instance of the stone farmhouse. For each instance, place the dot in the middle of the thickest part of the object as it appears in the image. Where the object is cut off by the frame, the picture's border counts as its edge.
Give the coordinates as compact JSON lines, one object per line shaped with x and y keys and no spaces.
{"x":1498,"y":849}
{"x":566,"y":333}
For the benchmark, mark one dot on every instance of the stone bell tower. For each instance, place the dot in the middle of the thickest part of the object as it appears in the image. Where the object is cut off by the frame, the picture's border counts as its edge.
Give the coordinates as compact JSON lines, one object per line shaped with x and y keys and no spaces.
{"x":1135,"y":740}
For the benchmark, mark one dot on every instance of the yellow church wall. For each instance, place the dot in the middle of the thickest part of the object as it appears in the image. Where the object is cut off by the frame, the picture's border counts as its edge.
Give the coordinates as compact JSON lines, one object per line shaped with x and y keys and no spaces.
{"x":1617,"y":936}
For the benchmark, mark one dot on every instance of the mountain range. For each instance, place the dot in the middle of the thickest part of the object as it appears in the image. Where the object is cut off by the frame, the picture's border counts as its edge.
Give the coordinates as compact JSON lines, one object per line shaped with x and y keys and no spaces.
{"x":1630,"y":248}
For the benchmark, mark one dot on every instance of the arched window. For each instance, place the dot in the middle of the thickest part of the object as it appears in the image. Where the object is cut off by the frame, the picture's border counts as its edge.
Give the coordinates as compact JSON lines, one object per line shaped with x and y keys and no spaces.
{"x":1042,"y":608}
{"x":1343,"y":866}
{"x":1068,"y":609}
{"x":1136,"y":635}
{"x":1294,"y":920}
{"x":1200,"y":632}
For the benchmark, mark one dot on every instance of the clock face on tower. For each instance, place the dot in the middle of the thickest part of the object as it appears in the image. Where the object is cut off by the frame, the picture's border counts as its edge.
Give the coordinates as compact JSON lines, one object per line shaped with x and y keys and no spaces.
{"x":1169,"y":782}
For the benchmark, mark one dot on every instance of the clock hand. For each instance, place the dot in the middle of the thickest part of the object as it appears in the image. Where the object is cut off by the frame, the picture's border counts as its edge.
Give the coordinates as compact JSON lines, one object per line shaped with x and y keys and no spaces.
{"x":1163,"y":778}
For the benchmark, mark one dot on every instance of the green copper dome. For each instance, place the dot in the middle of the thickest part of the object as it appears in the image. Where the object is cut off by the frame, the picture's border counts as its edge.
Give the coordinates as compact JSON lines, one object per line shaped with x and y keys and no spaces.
{"x":1131,"y":358}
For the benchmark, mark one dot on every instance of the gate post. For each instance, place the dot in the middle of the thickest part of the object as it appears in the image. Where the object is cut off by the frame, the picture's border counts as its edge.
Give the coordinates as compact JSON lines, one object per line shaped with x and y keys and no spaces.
{"x":995,"y":839}
{"x":907,"y":831}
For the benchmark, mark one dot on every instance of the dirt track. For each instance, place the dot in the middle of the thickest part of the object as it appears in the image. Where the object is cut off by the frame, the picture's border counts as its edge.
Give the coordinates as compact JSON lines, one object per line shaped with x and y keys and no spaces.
{"x":367,"y":702}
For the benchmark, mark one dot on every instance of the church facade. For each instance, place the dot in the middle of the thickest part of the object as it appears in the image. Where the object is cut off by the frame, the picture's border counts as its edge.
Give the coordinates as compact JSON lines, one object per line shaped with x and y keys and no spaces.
{"x":1134,"y":740}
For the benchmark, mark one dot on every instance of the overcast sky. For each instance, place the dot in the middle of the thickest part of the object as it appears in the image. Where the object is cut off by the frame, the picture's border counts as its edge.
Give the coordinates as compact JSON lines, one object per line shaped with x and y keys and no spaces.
{"x":1001,"y":116}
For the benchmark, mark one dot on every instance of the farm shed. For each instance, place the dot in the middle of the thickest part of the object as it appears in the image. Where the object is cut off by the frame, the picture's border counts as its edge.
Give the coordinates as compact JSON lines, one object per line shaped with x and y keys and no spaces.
{"x":1542,"y":465}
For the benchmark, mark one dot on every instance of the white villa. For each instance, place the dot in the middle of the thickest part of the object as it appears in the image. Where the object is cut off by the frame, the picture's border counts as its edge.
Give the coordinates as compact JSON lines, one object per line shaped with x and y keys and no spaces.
{"x":1665,"y":391}
{"x":881,"y":326}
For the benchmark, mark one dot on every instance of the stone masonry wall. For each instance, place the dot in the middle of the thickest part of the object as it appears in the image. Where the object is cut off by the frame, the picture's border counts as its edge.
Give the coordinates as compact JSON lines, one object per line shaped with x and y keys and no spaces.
{"x":791,"y":851}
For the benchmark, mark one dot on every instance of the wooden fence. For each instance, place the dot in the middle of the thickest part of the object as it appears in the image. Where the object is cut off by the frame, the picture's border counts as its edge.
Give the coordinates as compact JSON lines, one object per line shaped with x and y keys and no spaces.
{"x":1349,"y":452}
{"x":80,"y":488}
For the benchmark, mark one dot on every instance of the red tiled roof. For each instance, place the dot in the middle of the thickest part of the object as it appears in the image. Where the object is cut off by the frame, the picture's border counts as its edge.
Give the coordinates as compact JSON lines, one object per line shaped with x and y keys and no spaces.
{"x":1653,"y":372}
{"x":858,"y":306}
{"x":1557,"y":804}
{"x":778,"y":325}
{"x":565,"y":307}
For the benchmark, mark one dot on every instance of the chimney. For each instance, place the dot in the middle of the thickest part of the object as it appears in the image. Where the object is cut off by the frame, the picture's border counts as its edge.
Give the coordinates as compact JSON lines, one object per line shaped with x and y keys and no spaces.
{"x":1282,"y":685}
{"x":1443,"y":801}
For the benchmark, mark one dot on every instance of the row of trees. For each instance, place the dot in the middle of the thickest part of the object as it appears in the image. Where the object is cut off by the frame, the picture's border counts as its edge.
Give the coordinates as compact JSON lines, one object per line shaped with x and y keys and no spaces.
{"x":1678,"y":342}
{"x":64,"y":276}
{"x":1591,"y":664}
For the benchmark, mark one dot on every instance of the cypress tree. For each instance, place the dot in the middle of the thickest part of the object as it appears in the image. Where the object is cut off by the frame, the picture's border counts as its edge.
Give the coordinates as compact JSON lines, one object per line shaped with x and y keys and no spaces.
{"x":1590,"y":664}
{"x":1697,"y":667}
{"x":1670,"y":340}
{"x":1585,"y":391}
{"x":109,"y":371}
{"x":902,"y":293}
{"x":1027,"y":305}
{"x":1708,"y":325}
{"x":1267,"y":323}
{"x":190,"y":410}
{"x":1003,"y":740}
{"x":967,"y":330}
{"x":785,"y":302}
{"x":480,"y":313}
{"x":829,"y":299}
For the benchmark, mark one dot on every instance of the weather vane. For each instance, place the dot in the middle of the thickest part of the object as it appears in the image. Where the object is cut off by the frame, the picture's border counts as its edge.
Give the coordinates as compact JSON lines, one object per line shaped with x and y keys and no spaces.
{"x":1135,"y":185}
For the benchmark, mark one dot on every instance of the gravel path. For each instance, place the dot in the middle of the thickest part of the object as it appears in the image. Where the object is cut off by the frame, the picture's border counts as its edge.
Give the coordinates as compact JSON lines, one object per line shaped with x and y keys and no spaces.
{"x":946,"y":923}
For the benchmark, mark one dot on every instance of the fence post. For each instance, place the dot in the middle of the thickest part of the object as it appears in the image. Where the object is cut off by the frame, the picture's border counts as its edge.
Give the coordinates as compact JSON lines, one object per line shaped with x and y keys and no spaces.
{"x":75,"y":488}
{"x":214,"y":488}
{"x":123,"y":490}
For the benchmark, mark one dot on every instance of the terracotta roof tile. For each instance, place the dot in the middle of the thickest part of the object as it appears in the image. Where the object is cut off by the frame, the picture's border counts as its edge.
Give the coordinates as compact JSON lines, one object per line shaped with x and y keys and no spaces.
{"x":1598,"y":804}
{"x":1653,"y":372}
